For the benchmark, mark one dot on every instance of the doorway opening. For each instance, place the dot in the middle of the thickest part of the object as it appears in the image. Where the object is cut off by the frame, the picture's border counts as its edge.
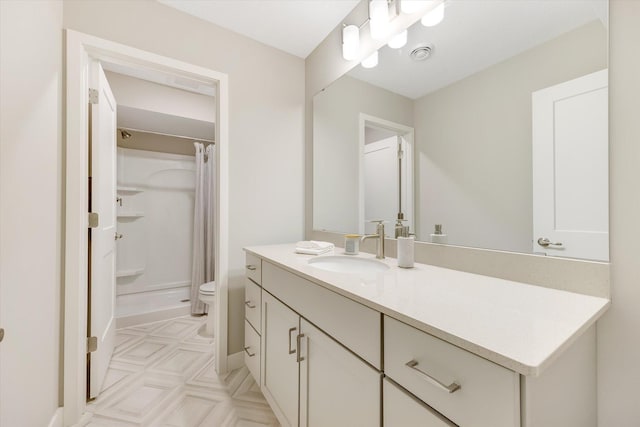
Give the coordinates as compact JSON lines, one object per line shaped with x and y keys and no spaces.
{"x":86,"y":55}
{"x":386,"y":174}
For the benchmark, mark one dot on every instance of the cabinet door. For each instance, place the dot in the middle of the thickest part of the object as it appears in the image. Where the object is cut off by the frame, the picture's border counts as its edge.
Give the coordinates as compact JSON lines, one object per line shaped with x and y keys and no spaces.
{"x":280,"y":327}
{"x":336,"y":387}
{"x":402,"y":409}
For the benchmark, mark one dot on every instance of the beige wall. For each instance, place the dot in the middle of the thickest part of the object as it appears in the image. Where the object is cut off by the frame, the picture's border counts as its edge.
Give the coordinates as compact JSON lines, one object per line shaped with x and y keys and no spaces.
{"x":473,"y":143}
{"x":266,"y":90}
{"x":619,"y":329}
{"x":336,"y":112}
{"x":30,"y":210}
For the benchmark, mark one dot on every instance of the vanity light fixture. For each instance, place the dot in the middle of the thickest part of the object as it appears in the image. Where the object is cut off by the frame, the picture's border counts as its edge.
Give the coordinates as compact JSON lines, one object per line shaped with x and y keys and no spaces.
{"x":398,"y":40}
{"x":379,"y":19}
{"x":371,"y":61}
{"x":350,"y":42}
{"x":434,"y":17}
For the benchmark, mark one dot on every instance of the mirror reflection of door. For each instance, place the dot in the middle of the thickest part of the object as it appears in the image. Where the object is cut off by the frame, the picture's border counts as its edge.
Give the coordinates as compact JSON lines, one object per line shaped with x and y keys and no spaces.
{"x":387,"y":177}
{"x":570,"y":169}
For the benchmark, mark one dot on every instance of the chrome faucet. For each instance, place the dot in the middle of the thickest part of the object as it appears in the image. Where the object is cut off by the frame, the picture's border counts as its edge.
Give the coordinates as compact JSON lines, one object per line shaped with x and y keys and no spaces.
{"x":380,"y":236}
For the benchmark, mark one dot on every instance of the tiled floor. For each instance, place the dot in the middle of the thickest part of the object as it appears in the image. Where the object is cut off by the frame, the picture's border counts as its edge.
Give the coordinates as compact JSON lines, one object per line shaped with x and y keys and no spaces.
{"x":161,"y":374}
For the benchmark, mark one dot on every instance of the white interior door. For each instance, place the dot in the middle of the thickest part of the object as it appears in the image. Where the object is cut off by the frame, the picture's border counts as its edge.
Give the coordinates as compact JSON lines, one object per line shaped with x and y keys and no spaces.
{"x":570,"y":168}
{"x":102,"y":260}
{"x":380,"y":182}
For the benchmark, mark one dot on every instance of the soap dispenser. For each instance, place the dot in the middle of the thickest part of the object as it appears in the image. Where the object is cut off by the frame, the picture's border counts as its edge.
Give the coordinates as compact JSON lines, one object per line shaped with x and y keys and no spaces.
{"x":405,"y":243}
{"x":400,"y":229}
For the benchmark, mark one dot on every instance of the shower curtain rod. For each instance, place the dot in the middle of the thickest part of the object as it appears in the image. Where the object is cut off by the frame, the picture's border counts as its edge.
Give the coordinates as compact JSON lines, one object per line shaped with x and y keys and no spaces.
{"x":203,"y":140}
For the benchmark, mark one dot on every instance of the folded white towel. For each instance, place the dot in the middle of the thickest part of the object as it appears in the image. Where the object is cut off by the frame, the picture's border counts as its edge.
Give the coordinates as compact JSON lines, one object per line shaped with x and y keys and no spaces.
{"x":314,"y":244}
{"x":313,"y":251}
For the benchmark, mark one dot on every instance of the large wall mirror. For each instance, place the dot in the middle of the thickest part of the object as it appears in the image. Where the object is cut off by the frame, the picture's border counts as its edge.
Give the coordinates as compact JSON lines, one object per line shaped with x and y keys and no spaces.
{"x":492,"y":124}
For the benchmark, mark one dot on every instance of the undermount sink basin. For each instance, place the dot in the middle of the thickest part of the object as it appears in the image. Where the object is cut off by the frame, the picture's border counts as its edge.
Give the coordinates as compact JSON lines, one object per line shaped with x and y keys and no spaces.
{"x":347,"y":264}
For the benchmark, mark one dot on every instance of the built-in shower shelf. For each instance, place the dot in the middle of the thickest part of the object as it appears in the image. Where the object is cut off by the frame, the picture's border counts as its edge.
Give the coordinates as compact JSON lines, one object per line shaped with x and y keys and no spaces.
{"x":130,"y":214}
{"x":129,"y":272}
{"x":130,"y":190}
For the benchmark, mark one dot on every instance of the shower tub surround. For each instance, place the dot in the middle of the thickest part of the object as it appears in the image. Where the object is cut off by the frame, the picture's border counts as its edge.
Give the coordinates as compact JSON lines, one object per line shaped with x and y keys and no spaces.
{"x":540,"y":340}
{"x":155,"y":219}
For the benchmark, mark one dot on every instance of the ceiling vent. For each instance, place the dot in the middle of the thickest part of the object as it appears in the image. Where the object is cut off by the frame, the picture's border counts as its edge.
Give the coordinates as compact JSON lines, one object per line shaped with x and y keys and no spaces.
{"x":421,"y":53}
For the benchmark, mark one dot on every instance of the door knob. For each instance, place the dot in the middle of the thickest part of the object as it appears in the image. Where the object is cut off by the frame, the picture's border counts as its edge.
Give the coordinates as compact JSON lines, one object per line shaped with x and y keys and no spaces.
{"x":544,"y":242}
{"x":1,"y":334}
{"x":118,"y":236}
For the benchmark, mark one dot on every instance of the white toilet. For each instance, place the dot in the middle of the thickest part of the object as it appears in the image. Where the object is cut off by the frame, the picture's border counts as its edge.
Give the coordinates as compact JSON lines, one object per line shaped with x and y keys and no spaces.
{"x":207,"y":295}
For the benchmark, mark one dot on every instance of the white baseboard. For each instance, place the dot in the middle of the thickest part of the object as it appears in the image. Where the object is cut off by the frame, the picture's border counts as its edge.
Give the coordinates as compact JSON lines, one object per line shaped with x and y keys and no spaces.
{"x":235,"y":361}
{"x":57,"y":419}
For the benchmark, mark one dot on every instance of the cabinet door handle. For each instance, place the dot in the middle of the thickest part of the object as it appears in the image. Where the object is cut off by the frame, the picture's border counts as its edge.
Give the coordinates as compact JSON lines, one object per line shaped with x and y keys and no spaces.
{"x":448,"y":388}
{"x":251,"y":267}
{"x":291,"y":351}
{"x":298,"y":357}
{"x":248,"y":304}
{"x":246,"y":350}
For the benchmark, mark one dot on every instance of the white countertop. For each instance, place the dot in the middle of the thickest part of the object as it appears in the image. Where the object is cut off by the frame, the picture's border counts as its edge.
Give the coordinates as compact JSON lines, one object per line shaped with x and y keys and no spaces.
{"x":522,"y":327}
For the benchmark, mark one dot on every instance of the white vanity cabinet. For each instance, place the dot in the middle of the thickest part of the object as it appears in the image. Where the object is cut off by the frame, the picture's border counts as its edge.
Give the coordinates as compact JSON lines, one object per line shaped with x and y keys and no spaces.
{"x":252,"y":315}
{"x":309,"y":378}
{"x":404,"y":410}
{"x":469,"y":390}
{"x":336,"y":387}
{"x":328,"y":359}
{"x":280,"y":371}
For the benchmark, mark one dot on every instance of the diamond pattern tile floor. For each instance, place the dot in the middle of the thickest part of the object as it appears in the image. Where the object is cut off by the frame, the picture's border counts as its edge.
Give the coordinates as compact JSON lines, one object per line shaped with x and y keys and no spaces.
{"x":162,"y":374}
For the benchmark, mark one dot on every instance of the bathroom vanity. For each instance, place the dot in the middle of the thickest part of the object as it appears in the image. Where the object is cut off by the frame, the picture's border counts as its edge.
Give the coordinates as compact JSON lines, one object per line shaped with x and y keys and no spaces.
{"x":425,"y":346}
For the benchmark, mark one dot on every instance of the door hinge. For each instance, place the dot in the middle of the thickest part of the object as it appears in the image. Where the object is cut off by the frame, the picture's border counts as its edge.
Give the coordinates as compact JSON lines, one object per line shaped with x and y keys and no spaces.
{"x":93,"y":96}
{"x":92,"y":344}
{"x":94,"y":219}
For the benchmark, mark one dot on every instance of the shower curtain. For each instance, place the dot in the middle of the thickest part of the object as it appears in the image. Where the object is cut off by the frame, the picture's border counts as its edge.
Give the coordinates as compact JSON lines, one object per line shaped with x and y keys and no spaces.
{"x":203,"y":266}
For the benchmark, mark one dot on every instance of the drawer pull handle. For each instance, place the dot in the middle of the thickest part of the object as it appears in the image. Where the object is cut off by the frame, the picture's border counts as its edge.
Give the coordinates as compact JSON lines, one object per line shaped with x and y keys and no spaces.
{"x":291,"y":350}
{"x":448,"y":388}
{"x":248,"y":304}
{"x":246,"y":350}
{"x":251,"y":267}
{"x":298,"y":357}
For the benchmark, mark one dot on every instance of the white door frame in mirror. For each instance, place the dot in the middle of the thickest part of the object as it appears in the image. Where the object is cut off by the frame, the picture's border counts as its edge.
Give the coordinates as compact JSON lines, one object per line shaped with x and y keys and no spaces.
{"x":80,"y":49}
{"x":407,"y":133}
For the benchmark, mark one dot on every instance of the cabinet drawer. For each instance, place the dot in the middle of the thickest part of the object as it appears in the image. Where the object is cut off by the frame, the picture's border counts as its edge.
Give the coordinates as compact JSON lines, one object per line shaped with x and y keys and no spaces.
{"x":489,"y":395}
{"x":253,"y":268}
{"x":252,"y":351}
{"x":252,"y":304}
{"x":352,"y":324}
{"x":402,"y":409}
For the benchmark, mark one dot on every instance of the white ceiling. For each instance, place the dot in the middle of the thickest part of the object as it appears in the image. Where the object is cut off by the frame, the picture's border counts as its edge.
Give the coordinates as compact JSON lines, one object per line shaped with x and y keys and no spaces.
{"x":294,"y":26}
{"x":473,"y":36}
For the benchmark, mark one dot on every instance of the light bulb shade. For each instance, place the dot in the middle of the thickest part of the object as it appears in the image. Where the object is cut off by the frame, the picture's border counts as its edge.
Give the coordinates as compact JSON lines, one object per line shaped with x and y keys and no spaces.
{"x":398,"y":40}
{"x":412,"y":6}
{"x":434,"y":17}
{"x":371,"y":61}
{"x":379,"y":19}
{"x":350,"y":42}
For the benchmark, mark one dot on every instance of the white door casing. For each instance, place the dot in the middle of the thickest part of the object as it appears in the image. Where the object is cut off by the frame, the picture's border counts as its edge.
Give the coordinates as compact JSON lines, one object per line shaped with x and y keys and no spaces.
{"x":102,"y":288}
{"x":80,"y":50}
{"x":570,"y":168}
